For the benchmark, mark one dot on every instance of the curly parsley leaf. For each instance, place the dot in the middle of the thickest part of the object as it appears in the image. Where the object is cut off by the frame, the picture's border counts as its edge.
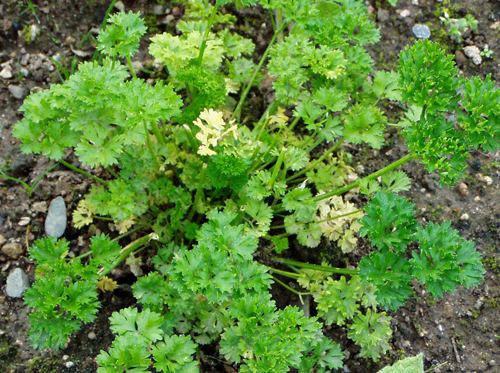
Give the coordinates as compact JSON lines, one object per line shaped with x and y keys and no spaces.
{"x":389,"y":221}
{"x":175,"y":355}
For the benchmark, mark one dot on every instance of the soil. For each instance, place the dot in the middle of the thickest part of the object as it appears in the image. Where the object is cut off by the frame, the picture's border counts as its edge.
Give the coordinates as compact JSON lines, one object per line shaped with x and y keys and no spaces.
{"x":457,"y":333}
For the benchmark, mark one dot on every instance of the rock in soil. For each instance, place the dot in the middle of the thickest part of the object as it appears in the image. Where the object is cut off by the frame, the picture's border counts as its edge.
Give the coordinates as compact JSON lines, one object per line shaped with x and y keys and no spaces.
{"x":13,"y":250}
{"x":55,"y":223}
{"x":17,"y":283}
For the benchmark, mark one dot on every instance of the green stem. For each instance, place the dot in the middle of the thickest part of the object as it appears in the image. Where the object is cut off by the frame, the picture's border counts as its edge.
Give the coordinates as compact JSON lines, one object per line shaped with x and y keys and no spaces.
{"x":35,"y":183}
{"x":199,"y":193}
{"x":130,"y":67}
{"x":26,"y":185}
{"x":339,"y":216}
{"x":294,"y":123}
{"x":342,"y":271}
{"x":159,"y":136}
{"x":276,"y":168}
{"x":300,"y":294}
{"x":150,"y":146}
{"x":279,"y":24}
{"x":128,"y":233}
{"x":285,"y":273}
{"x":239,"y":107}
{"x":205,"y":35}
{"x":316,"y":162}
{"x":192,"y":140}
{"x":76,"y":169}
{"x":375,"y":175}
{"x":127,"y":250}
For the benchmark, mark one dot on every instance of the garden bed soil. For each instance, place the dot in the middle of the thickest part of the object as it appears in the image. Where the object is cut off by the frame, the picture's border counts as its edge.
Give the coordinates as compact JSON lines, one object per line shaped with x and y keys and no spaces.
{"x":456,"y":333}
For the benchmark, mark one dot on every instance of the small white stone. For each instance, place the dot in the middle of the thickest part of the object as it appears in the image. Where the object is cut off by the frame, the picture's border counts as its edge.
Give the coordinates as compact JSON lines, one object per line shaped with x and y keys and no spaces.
{"x":17,"y":91}
{"x":465,"y":216}
{"x":24,"y":221}
{"x":403,"y":13}
{"x":495,"y":25}
{"x":69,"y":364}
{"x":158,"y":10}
{"x":474,"y":54}
{"x":6,"y":72}
{"x":120,"y":6}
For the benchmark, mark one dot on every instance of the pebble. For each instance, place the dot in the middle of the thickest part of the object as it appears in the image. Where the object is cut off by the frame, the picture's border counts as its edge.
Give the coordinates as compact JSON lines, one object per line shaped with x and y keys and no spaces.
{"x":465,"y":217}
{"x":479,"y":303}
{"x":158,"y":10}
{"x":6,"y":72}
{"x":421,"y":31}
{"x":56,"y":220}
{"x":91,"y":336}
{"x":403,"y":13}
{"x":17,"y":283}
{"x":463,"y":189}
{"x":495,"y":25}
{"x":176,"y":11}
{"x":485,"y":179}
{"x":13,"y":250}
{"x":382,"y":15}
{"x":474,"y":54}
{"x":39,"y":206}
{"x":24,"y":221}
{"x":18,"y":92}
{"x":120,"y":6}
{"x":460,"y":57}
{"x":2,"y":240}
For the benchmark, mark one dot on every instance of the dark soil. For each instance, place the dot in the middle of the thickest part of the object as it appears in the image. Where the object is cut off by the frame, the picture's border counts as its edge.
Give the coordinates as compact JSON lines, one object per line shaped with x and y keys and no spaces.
{"x":456,"y":333}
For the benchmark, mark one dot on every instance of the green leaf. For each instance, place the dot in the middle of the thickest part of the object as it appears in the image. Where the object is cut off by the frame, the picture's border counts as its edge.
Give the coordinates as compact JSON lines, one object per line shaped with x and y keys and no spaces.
{"x":396,"y":181}
{"x":389,"y":221}
{"x":428,"y":77}
{"x":122,"y":35}
{"x":280,"y":244}
{"x":337,"y":301}
{"x":300,"y":201}
{"x":49,"y":250}
{"x":386,"y":85}
{"x":372,"y":332}
{"x":413,"y":364}
{"x":390,"y":274}
{"x":364,"y":124}
{"x":445,"y":260}
{"x":125,"y":355}
{"x":262,"y":215}
{"x":175,"y":355}
{"x":104,"y":250}
{"x":143,"y":327}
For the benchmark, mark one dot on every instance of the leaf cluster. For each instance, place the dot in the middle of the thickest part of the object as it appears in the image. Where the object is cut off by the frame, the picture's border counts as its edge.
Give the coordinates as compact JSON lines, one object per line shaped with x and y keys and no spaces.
{"x":442,"y":261}
{"x":221,"y":187}
{"x":64,"y":294}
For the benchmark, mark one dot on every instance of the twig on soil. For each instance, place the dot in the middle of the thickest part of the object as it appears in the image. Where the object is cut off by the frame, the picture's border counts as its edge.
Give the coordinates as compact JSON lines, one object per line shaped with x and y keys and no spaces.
{"x":455,"y":350}
{"x":436,"y":367}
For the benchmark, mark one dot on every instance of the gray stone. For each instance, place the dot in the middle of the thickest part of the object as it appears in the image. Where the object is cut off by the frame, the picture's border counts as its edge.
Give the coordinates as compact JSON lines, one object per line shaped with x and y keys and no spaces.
{"x":421,"y":31}
{"x":17,"y":283}
{"x":382,"y":15}
{"x":56,"y":220}
{"x":13,"y":250}
{"x":473,"y":53}
{"x":158,"y":10}
{"x":6,"y":72}
{"x":18,"y":92}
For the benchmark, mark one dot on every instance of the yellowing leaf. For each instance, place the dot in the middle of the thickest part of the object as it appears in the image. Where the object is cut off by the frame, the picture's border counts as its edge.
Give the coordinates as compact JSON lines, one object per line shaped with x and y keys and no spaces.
{"x":107,"y":284}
